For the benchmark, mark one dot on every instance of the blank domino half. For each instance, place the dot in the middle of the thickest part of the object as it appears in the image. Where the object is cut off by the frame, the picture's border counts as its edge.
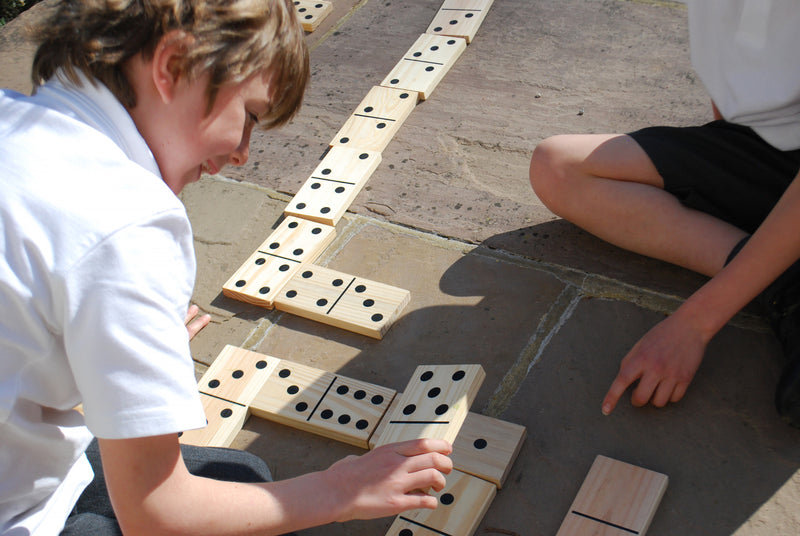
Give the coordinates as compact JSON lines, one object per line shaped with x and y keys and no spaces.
{"x":342,"y":300}
{"x":376,"y":119}
{"x":462,"y":504}
{"x":322,"y":402}
{"x":311,"y":13}
{"x":616,"y":499}
{"x":434,"y":404}
{"x":296,"y":241}
{"x":425,"y":64}
{"x":333,"y":185}
{"x":460,"y":18}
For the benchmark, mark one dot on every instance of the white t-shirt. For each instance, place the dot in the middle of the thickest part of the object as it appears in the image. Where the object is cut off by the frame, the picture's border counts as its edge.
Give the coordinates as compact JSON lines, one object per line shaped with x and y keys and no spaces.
{"x":745,"y":52}
{"x":96,"y":273}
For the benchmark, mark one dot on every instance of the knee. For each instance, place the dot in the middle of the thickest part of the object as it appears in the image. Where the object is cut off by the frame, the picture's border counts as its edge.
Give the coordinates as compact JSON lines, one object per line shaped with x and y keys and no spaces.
{"x":549,"y":170}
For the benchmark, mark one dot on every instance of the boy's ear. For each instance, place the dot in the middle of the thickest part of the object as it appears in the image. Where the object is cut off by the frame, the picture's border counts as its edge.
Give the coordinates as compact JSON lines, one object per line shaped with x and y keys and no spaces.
{"x":168,"y":60}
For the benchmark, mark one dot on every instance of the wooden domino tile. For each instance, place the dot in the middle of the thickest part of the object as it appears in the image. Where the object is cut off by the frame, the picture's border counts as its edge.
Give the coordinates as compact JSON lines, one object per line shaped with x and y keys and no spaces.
{"x":616,"y":499}
{"x":237,"y":375}
{"x":484,"y":447}
{"x":434,"y":404}
{"x":376,"y":119}
{"x":342,"y":300}
{"x":322,"y":402}
{"x":487,"y":448}
{"x":462,"y":504}
{"x":296,"y":241}
{"x":460,"y":18}
{"x":224,"y":419}
{"x":425,"y":64}
{"x":333,"y":185}
{"x":311,"y":13}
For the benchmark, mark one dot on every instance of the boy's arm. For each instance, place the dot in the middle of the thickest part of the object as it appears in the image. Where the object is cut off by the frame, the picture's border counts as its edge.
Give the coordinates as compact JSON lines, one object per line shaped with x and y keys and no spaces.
{"x":665,"y":360}
{"x":153,"y":493}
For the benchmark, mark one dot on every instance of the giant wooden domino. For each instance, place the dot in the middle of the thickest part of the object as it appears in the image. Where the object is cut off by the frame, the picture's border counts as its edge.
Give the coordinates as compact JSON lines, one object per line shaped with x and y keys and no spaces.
{"x":616,"y":499}
{"x":341,"y":300}
{"x":435,"y":403}
{"x":460,"y":18}
{"x":295,"y":242}
{"x":462,"y":504}
{"x":322,"y":402}
{"x":311,"y":13}
{"x":333,"y":186}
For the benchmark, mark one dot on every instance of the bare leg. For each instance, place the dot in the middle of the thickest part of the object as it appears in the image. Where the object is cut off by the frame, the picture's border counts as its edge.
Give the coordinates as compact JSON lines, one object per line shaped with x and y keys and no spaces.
{"x":608,"y":186}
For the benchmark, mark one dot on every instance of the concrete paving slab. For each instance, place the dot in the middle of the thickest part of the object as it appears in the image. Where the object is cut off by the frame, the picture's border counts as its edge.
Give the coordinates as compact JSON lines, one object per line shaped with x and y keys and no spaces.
{"x":724,"y":449}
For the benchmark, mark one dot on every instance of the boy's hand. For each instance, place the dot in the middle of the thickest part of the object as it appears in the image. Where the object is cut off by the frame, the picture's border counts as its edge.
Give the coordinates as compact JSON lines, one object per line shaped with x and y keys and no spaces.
{"x":387,"y":480}
{"x":664,"y":362}
{"x":195,"y":323}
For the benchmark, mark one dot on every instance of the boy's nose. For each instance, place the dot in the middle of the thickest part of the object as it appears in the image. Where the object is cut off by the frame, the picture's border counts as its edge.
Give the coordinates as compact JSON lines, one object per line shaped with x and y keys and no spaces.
{"x":240,"y":155}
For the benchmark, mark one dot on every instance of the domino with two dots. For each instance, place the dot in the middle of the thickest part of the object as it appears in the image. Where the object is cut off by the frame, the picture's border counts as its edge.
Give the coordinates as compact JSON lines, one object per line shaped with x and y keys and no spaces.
{"x":376,"y":119}
{"x":322,"y":402}
{"x":342,"y":300}
{"x":295,"y":242}
{"x":425,"y":64}
{"x":616,"y":499}
{"x":333,"y":185}
{"x":460,"y":18}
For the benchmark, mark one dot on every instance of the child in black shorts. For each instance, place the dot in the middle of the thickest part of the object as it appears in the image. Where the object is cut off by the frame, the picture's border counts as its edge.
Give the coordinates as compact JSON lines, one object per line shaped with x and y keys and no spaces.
{"x":720,"y":199}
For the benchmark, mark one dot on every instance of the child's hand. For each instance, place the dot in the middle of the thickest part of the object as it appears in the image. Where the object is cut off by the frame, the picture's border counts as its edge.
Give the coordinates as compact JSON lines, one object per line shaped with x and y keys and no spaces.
{"x":195,"y":323}
{"x":387,"y":480}
{"x":663,"y":362}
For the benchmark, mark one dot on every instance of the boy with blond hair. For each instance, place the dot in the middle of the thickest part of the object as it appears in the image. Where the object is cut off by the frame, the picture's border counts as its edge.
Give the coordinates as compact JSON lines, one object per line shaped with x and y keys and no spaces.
{"x":133,"y":100}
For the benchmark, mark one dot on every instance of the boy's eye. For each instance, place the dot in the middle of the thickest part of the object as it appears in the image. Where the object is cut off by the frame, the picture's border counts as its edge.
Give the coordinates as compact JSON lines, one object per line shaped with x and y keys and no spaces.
{"x":253,"y":117}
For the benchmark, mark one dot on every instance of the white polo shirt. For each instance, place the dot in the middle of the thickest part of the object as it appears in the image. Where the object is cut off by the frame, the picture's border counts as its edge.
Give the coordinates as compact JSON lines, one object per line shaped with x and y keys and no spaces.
{"x":96,"y":273}
{"x":745,"y":52}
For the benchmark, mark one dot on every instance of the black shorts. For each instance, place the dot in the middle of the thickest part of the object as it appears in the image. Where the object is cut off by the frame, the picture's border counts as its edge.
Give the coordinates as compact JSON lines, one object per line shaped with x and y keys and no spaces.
{"x":722,"y":169}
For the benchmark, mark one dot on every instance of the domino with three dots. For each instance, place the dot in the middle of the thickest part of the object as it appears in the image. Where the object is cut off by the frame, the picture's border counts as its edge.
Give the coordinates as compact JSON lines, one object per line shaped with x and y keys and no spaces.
{"x":434,"y":404}
{"x":616,"y":499}
{"x":322,"y":402}
{"x":425,"y":64}
{"x":460,"y":18}
{"x":333,"y":185}
{"x":342,"y":300}
{"x":376,"y":119}
{"x":295,"y":242}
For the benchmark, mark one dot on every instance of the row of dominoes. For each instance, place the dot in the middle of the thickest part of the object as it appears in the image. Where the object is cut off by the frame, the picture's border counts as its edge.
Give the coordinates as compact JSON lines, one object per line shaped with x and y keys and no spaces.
{"x":435,"y":404}
{"x":279,"y":273}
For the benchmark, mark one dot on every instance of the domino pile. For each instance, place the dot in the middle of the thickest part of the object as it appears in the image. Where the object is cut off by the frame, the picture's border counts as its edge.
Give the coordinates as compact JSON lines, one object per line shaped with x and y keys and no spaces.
{"x":435,"y":404}
{"x":280,"y":273}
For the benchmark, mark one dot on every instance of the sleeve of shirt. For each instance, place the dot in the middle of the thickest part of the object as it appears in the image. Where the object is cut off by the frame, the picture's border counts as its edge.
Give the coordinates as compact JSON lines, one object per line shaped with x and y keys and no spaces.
{"x":124,"y":331}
